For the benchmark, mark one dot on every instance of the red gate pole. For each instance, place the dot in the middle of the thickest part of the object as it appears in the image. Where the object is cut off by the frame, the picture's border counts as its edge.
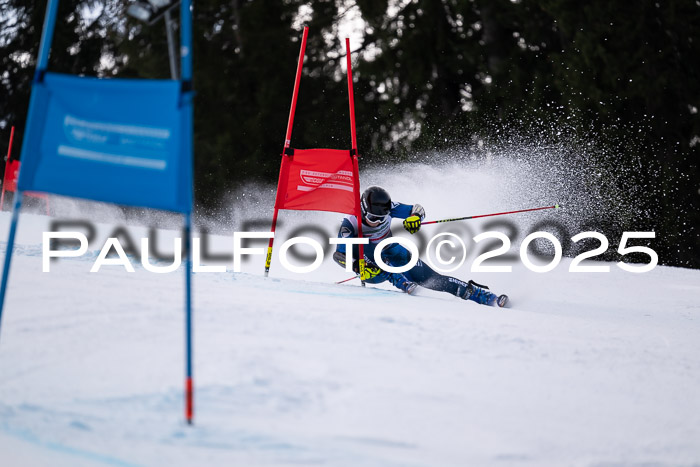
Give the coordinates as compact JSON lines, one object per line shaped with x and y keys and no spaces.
{"x":290,"y":123}
{"x":355,"y":162}
{"x":287,"y":143}
{"x":352,"y":96}
{"x":7,"y":165}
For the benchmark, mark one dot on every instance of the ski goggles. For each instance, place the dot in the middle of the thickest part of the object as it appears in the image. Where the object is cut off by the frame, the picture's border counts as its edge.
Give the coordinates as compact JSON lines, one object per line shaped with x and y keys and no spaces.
{"x":375,"y":217}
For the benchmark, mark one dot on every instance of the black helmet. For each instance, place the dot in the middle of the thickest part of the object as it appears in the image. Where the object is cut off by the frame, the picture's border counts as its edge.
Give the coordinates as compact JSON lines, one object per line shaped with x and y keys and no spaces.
{"x":375,"y":203}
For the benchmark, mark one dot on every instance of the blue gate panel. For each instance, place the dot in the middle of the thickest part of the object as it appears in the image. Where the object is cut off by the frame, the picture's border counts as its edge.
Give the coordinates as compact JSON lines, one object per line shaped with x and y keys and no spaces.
{"x":113,"y":140}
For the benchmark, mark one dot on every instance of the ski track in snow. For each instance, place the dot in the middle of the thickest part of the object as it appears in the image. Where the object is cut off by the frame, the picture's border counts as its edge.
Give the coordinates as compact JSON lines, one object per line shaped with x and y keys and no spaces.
{"x":584,"y":369}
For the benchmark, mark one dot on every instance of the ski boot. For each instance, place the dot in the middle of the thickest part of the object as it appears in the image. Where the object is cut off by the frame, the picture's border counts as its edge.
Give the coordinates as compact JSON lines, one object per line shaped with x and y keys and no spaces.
{"x":409,"y":287}
{"x":502,"y":300}
{"x":399,"y":281}
{"x":483,"y":296}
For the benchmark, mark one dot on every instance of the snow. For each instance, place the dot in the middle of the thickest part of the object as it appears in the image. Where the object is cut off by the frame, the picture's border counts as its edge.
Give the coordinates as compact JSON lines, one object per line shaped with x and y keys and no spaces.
{"x":583,"y":369}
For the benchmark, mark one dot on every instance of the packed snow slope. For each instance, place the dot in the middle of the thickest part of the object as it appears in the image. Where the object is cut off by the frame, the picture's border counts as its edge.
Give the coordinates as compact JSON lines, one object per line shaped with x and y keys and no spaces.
{"x":585,"y":369}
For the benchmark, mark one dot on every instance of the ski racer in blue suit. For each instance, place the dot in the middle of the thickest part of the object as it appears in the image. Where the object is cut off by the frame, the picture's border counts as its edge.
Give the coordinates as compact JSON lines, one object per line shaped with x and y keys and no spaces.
{"x":377,"y":212}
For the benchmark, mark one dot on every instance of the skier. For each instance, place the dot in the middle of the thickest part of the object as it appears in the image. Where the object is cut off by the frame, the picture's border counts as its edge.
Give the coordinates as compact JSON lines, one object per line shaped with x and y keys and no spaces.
{"x":377,"y":212}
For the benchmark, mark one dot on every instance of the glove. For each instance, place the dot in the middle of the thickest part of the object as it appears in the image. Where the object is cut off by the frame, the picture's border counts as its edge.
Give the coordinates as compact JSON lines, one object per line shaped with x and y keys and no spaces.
{"x":370,"y":272}
{"x":412,"y":222}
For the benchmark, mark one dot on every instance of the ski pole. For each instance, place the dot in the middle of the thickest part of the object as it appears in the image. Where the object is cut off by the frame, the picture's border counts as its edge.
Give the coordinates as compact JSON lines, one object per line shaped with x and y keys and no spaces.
{"x":348,"y":279}
{"x":556,"y":206}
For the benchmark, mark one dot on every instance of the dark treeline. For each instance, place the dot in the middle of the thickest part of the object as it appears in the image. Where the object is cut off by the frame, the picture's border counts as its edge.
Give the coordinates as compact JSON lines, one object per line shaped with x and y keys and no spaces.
{"x":430,"y":74}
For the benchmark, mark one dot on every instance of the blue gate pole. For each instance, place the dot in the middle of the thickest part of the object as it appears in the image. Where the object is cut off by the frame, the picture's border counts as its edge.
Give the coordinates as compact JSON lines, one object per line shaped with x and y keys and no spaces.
{"x":186,"y":40}
{"x":46,"y":37}
{"x":189,"y":390}
{"x":8,"y":253}
{"x":42,"y":63}
{"x":186,"y":99}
